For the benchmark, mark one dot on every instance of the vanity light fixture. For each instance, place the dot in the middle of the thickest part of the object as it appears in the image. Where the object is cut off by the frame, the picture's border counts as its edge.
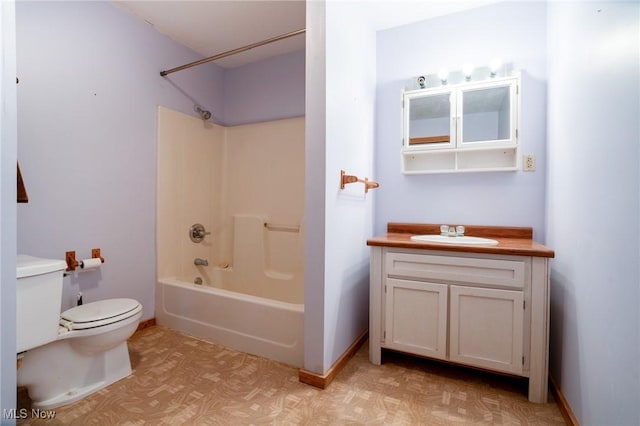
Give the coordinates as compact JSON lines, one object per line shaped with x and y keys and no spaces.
{"x":443,"y":75}
{"x":494,"y":66}
{"x":467,"y":69}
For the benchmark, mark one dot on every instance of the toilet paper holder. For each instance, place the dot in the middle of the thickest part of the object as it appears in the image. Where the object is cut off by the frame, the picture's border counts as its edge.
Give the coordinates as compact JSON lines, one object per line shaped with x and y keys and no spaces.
{"x":347,"y":179}
{"x":72,"y":263}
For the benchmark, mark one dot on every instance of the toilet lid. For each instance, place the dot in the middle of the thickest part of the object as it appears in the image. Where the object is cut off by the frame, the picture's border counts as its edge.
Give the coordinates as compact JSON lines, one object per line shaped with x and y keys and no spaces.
{"x":96,"y":314}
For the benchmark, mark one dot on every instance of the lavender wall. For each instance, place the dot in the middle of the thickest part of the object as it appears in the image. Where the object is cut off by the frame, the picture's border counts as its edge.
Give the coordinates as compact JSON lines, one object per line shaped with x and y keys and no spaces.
{"x":339,"y":135}
{"x":350,"y":124}
{"x":515,"y":32}
{"x":314,"y":194}
{"x":266,"y":90}
{"x":87,"y":99}
{"x":8,"y":154}
{"x":594,"y":208}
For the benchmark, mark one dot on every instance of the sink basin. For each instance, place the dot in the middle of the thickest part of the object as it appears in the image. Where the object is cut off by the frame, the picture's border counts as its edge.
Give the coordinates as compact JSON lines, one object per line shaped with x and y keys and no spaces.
{"x":464,"y":240}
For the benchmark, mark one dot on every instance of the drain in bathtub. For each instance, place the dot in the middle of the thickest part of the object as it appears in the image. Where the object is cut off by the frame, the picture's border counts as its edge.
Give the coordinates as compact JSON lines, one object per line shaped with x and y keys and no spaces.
{"x":198,"y":281}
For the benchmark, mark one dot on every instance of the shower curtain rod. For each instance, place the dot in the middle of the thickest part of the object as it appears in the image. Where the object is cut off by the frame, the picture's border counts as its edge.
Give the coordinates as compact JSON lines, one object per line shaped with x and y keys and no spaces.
{"x":232,"y":52}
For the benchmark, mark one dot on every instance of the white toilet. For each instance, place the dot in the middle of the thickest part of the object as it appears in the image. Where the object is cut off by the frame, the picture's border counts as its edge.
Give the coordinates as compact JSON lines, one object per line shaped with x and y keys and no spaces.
{"x":65,"y":357}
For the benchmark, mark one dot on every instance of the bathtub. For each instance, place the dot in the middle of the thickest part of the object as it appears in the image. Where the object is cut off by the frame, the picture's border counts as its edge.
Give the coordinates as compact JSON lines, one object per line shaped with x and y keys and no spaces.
{"x":251,"y":272}
{"x":256,"y":325}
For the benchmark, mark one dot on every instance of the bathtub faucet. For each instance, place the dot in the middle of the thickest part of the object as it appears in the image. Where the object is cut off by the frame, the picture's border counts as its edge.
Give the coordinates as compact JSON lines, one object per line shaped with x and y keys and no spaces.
{"x":197,"y":232}
{"x":200,"y":262}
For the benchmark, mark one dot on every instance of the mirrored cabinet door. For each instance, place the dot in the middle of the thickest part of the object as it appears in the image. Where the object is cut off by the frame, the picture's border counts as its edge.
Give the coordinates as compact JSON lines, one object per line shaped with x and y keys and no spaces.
{"x":487,"y":115}
{"x":429,"y":120}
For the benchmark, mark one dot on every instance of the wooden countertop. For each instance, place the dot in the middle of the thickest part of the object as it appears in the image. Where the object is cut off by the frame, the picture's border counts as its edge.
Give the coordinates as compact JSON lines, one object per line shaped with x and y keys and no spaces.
{"x":511,"y":240}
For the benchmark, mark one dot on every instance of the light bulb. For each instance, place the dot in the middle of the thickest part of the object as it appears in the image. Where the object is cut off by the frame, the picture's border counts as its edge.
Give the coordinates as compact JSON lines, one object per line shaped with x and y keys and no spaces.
{"x":443,"y":74}
{"x":467,"y":69}
{"x":494,"y":66}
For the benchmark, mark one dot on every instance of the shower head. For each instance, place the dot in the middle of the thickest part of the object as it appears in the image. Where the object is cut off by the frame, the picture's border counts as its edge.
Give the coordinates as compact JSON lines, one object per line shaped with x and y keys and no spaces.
{"x":203,"y":112}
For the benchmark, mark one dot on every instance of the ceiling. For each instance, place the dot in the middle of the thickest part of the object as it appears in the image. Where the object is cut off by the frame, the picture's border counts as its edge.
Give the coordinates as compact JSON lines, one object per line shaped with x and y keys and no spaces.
{"x":210,"y":27}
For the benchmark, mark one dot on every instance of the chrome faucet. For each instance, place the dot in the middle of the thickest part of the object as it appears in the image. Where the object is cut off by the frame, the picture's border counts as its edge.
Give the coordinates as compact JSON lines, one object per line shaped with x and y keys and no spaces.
{"x":200,"y":262}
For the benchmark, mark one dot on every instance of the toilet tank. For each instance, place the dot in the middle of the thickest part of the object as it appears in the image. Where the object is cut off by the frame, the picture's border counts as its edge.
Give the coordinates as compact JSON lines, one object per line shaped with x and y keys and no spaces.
{"x":38,"y":300}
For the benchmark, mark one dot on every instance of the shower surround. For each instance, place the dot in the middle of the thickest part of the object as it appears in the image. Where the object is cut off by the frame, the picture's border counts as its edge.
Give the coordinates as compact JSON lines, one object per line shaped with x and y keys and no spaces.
{"x":245,"y":184}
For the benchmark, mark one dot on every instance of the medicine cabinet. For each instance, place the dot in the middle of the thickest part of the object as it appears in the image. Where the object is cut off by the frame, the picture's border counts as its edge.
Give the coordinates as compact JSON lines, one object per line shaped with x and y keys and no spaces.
{"x":468,"y":127}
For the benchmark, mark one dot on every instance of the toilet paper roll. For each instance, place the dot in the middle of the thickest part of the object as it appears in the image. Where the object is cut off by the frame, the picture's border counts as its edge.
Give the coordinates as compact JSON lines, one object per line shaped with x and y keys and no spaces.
{"x":90,"y":263}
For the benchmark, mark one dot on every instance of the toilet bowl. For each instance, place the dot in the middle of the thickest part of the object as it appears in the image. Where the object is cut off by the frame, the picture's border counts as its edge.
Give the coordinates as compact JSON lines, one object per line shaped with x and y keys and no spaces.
{"x":66,"y":357}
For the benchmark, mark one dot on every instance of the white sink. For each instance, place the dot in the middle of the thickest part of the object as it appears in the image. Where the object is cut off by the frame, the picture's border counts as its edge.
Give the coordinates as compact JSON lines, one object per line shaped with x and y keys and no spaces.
{"x":465,"y":240}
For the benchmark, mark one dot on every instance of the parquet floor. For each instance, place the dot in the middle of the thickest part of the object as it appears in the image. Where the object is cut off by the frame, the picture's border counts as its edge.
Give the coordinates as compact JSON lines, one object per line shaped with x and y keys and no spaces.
{"x":179,"y":380}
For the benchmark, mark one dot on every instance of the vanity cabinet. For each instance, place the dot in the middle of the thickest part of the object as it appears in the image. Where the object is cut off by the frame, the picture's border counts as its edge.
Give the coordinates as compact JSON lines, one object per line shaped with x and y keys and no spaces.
{"x":485,"y":310}
{"x":467,"y":127}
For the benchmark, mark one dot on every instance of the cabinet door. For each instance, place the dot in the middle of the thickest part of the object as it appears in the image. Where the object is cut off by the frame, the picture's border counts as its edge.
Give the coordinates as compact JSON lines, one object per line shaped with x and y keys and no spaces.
{"x":487,"y":114}
{"x":486,"y":328}
{"x":416,"y":317}
{"x":428,"y":120}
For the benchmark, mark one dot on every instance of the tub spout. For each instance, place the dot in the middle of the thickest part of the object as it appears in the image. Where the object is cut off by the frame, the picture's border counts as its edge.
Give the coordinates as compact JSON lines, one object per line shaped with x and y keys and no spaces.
{"x":200,"y":262}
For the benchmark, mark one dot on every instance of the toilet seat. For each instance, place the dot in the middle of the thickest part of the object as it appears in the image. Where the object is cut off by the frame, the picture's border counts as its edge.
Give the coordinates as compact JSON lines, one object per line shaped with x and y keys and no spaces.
{"x":98,"y":314}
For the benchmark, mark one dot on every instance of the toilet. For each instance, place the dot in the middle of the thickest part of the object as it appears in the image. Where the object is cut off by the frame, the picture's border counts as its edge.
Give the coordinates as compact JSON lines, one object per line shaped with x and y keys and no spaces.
{"x":65,"y":357}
